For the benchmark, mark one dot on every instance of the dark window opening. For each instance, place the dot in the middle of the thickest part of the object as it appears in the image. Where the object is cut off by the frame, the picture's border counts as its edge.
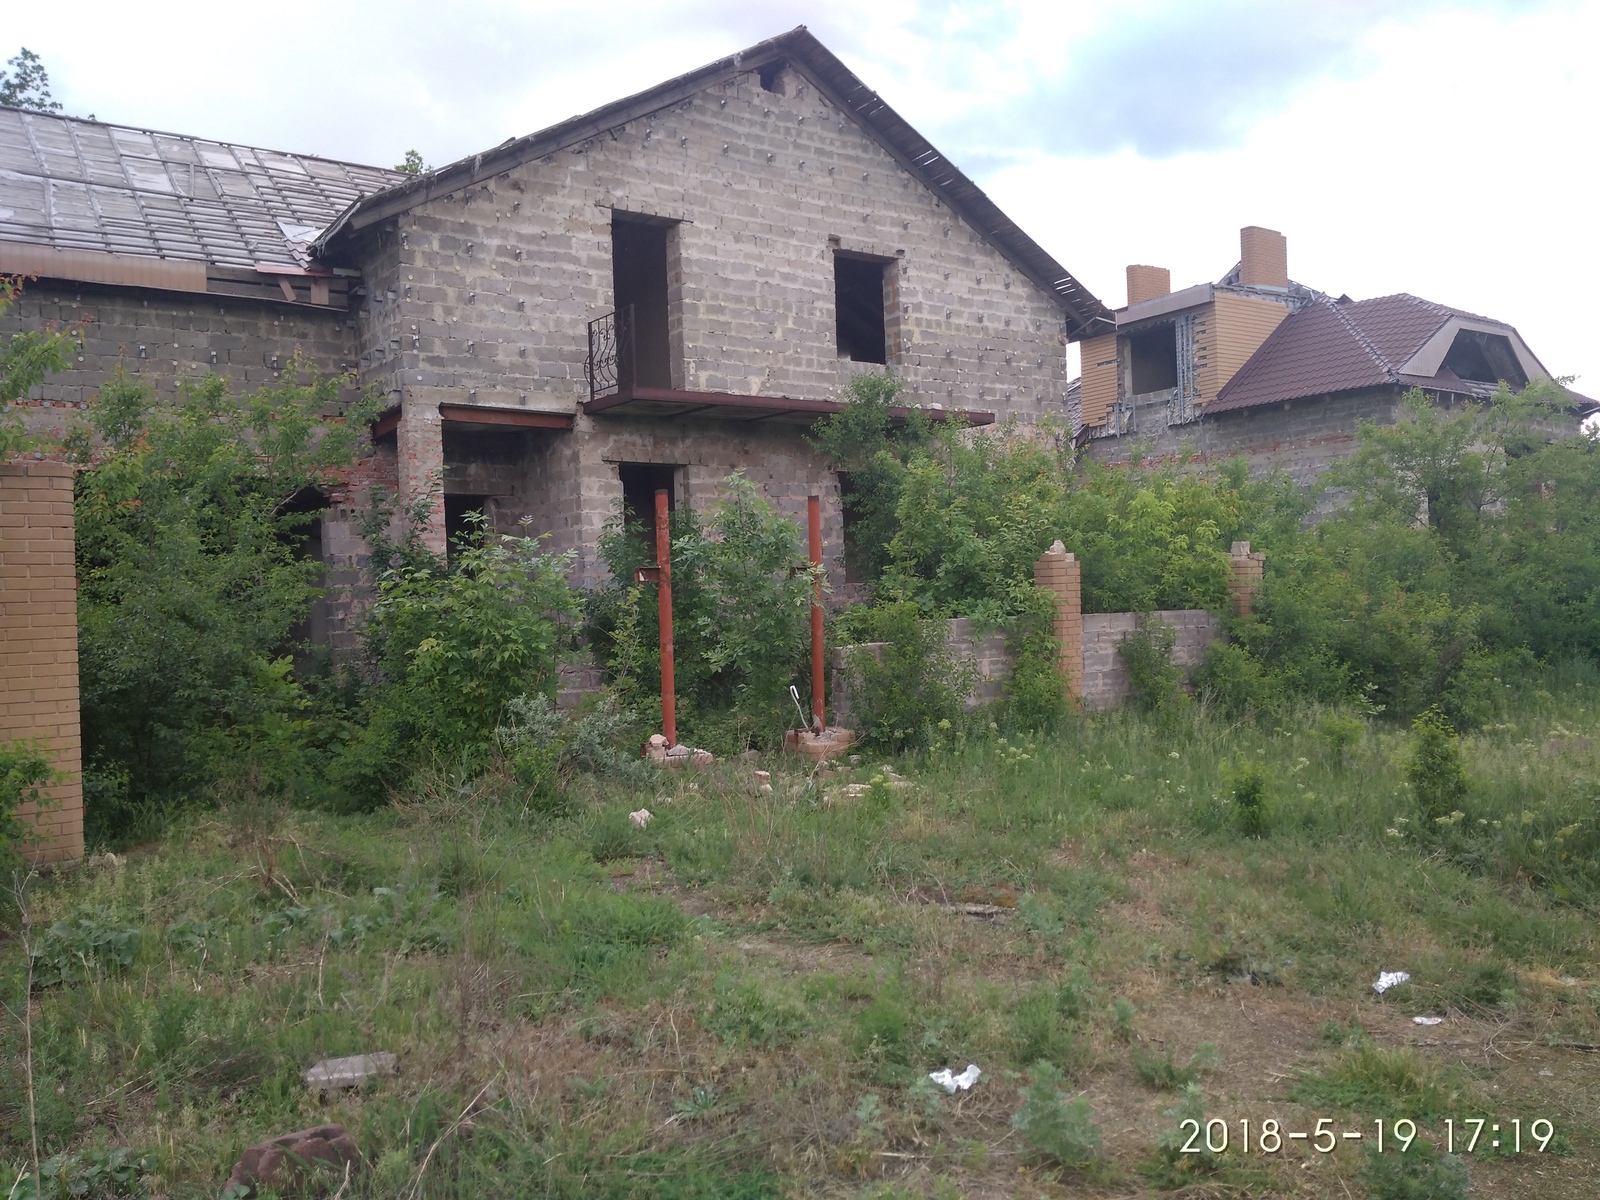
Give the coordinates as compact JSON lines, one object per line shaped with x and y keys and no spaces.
{"x":312,"y":630}
{"x":639,"y":280}
{"x":1484,"y":358}
{"x":460,"y":513}
{"x":857,"y":557}
{"x":1153,"y":355}
{"x":640,"y":483}
{"x":769,"y":77}
{"x":858,"y":299}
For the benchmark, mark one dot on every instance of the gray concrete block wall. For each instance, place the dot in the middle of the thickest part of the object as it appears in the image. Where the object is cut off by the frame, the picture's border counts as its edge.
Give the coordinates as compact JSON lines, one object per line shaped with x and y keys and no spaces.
{"x":499,"y":280}
{"x":1302,"y":438}
{"x":1105,"y":674}
{"x":161,"y":338}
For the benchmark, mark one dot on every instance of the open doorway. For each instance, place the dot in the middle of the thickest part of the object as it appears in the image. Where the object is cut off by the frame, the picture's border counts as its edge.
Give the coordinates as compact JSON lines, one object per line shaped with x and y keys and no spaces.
{"x":640,"y":482}
{"x":460,"y":513}
{"x":639,"y":280}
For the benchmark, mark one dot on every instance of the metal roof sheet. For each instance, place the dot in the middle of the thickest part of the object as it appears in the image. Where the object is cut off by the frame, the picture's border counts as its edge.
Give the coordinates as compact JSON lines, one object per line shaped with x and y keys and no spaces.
{"x":71,"y":184}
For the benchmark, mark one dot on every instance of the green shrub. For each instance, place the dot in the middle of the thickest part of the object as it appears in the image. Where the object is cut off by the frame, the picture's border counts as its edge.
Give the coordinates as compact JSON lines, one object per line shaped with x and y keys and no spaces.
{"x":1054,"y":1127}
{"x":910,"y":681}
{"x":1250,"y":783}
{"x":1154,"y":679}
{"x":453,"y":645}
{"x":24,"y":770}
{"x":1237,"y":682}
{"x":88,"y":1175}
{"x":1421,"y":1173}
{"x":1338,"y":731}
{"x":1172,"y":1166}
{"x":83,"y":947}
{"x":190,"y":522}
{"x":1162,"y":1072}
{"x":1435,"y":771}
{"x":741,"y":620}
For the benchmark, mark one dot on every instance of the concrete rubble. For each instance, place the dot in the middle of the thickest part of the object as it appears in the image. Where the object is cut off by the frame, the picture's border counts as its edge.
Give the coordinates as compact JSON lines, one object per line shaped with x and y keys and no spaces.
{"x":332,"y":1074}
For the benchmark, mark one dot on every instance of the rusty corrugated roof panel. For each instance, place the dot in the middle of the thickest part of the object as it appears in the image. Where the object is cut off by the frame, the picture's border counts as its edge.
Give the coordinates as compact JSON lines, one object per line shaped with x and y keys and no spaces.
{"x":1085,"y":314}
{"x":74,"y":185}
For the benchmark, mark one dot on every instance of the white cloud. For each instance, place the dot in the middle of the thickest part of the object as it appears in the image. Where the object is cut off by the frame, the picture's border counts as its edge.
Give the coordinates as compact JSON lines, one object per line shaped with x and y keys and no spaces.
{"x":1446,"y":149}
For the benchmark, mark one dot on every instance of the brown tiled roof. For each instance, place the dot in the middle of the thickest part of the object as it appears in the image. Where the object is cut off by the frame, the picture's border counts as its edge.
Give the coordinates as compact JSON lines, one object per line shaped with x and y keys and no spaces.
{"x":1340,"y":345}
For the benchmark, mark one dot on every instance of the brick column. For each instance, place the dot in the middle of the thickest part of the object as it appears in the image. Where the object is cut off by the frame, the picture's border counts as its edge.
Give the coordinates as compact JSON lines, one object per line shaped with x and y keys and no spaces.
{"x":1058,"y":572}
{"x":419,"y":446}
{"x":39,"y":644}
{"x":1248,"y":571}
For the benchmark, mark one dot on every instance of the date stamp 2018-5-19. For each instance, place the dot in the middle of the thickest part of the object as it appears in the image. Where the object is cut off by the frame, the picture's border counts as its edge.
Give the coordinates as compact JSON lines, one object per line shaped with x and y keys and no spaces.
{"x":1474,"y":1135}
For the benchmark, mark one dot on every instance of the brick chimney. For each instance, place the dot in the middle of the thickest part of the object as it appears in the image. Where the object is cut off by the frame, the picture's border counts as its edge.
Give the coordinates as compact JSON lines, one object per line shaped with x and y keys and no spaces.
{"x":1263,"y":257}
{"x":1146,"y":283}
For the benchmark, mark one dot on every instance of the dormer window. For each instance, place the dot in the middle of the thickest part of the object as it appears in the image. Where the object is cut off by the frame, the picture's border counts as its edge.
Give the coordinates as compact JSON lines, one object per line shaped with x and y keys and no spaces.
{"x":1485,"y":358}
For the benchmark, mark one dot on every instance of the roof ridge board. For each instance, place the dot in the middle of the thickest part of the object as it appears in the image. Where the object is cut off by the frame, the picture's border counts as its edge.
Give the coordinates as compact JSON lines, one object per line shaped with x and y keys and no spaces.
{"x":29,"y":113}
{"x":850,"y":93}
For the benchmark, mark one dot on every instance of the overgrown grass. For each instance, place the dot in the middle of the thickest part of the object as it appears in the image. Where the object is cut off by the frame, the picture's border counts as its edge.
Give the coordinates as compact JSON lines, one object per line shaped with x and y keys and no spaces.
{"x":744,"y":997}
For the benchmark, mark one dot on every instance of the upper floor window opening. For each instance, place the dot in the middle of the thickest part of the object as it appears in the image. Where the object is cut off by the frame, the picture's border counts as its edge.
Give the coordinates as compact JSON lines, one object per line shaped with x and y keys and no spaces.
{"x":1153,"y":359}
{"x":859,"y":285}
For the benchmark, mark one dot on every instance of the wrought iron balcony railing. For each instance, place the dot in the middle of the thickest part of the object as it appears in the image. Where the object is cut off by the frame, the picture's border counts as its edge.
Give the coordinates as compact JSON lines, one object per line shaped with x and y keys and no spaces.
{"x":610,"y":366}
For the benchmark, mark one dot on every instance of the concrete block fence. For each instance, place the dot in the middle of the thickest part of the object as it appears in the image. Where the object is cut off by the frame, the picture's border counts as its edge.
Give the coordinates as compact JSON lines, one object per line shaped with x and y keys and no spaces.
{"x":1093,"y":674}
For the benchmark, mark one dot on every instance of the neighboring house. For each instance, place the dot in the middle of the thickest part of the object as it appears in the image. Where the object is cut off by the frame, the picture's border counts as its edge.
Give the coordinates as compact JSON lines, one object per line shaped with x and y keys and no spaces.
{"x":655,"y":294}
{"x":1259,"y":365}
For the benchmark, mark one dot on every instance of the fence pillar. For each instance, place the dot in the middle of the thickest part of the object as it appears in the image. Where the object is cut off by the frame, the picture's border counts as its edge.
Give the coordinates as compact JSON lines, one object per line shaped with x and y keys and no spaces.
{"x":1060,"y":573}
{"x":1248,"y":572}
{"x":39,"y":646}
{"x":419,"y":444}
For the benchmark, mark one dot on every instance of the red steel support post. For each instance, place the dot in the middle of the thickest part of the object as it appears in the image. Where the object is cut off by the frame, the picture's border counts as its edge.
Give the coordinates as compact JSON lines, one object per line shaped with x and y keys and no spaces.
{"x":819,"y":715}
{"x":669,"y":714}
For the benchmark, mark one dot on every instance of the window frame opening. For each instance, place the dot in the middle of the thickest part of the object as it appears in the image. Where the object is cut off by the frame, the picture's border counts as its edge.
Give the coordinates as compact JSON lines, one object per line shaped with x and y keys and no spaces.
{"x":1481,"y":357}
{"x":861,"y":308}
{"x":640,"y":482}
{"x":641,"y":282}
{"x":1153,"y":359}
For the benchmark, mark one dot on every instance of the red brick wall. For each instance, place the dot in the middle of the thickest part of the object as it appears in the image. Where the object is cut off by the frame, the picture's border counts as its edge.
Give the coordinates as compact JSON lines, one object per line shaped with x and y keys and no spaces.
{"x":39,"y":643}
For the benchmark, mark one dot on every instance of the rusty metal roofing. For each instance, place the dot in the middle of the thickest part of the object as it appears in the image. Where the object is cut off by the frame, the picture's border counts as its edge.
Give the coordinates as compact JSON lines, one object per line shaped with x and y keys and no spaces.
{"x":77,"y":185}
{"x":1343,"y":345}
{"x":802,"y":51}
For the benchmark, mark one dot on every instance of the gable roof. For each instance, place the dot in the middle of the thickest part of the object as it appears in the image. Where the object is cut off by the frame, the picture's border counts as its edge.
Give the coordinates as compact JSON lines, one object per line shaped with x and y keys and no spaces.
{"x":803,"y":52}
{"x":74,"y":185}
{"x":1341,"y":345}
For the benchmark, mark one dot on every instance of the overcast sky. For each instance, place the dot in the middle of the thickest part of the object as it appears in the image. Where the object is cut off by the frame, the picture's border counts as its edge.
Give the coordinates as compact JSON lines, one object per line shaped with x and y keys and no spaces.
{"x":1449,"y":148}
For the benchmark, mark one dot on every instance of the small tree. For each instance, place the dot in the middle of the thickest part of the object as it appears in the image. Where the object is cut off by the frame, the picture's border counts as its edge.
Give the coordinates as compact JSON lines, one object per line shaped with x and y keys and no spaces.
{"x":27,"y":84}
{"x":25,"y":359}
{"x":1438,"y":780}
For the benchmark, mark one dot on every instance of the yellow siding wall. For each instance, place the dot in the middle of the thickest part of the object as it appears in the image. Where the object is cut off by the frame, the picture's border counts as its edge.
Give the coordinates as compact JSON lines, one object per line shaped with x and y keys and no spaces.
{"x":1099,"y":378}
{"x":1227,"y":333}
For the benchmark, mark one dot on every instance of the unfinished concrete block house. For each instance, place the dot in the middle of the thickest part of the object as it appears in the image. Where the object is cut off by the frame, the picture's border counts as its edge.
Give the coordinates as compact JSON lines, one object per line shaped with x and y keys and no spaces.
{"x":1261,"y":366}
{"x":654,"y":294}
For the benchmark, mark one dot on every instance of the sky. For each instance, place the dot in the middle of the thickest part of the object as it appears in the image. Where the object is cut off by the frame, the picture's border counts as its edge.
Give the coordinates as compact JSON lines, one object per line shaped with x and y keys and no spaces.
{"x":1448,"y":149}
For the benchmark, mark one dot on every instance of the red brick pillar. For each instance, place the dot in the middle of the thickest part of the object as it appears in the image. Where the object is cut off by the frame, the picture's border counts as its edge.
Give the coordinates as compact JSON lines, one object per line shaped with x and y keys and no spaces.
{"x":1061,"y":574}
{"x":1248,"y":571}
{"x":419,"y":446}
{"x":39,"y":645}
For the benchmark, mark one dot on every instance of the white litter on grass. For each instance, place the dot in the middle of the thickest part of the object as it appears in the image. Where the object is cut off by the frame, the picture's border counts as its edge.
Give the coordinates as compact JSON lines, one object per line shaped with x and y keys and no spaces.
{"x":1389,"y":979}
{"x":956,"y":1083}
{"x":640,"y":818}
{"x":1427,"y":1020}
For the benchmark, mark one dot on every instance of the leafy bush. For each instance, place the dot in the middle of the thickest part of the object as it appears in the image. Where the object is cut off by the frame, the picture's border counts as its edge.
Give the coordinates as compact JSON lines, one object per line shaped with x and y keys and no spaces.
{"x":1154,"y":678}
{"x":88,"y":1175}
{"x":25,"y":360}
{"x":81,"y":948}
{"x":190,"y":584}
{"x":546,"y":746}
{"x":1338,"y":731}
{"x":24,"y":770}
{"x":908,"y":681}
{"x":740,"y":619}
{"x":1434,"y":770}
{"x":453,"y":644}
{"x":1251,"y":784}
{"x":1055,"y":1127}
{"x":1171,"y":1166}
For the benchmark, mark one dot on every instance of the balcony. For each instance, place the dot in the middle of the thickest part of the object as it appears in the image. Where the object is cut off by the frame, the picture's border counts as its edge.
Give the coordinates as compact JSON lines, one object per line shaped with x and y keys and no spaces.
{"x":612,"y":374}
